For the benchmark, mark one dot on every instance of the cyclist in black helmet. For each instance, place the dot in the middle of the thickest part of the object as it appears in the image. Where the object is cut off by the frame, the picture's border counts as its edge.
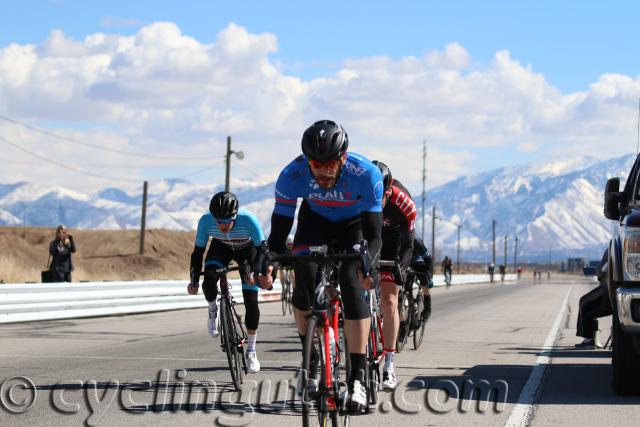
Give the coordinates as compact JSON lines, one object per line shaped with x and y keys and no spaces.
{"x":342,"y":195}
{"x":398,"y":229}
{"x":236,"y":235}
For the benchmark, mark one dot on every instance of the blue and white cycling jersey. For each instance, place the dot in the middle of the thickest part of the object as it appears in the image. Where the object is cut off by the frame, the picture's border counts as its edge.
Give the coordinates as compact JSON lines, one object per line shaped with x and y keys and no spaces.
{"x":246,"y":231}
{"x":359,"y":189}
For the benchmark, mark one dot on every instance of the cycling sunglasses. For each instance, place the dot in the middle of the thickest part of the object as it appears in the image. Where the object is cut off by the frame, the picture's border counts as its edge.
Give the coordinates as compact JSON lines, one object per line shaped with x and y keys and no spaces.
{"x":226,"y":220}
{"x":330,"y":164}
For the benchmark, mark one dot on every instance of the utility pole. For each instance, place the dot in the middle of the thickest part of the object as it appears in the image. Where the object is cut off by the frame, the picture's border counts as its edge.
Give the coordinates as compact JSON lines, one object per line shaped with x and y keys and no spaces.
{"x":458,"y":258}
{"x":493,"y":252}
{"x":515,"y":256}
{"x":505,"y":251}
{"x":239,"y":155}
{"x":228,"y":169}
{"x":433,"y":238}
{"x":143,"y":218}
{"x":424,"y":181}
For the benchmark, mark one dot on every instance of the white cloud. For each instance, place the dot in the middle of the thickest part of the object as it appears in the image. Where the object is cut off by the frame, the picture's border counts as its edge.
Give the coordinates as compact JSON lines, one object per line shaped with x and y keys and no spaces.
{"x":165,"y":92}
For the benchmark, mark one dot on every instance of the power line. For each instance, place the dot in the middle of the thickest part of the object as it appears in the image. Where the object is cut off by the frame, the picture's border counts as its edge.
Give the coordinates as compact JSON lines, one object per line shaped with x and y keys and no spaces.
{"x":65,"y":166}
{"x":198,"y":171}
{"x":71,"y":168}
{"x":97,"y":147}
{"x":97,"y":165}
{"x":248,"y":170}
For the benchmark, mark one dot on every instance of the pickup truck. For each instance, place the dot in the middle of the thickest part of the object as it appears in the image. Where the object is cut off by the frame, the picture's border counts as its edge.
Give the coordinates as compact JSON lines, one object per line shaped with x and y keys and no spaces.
{"x":623,"y":279}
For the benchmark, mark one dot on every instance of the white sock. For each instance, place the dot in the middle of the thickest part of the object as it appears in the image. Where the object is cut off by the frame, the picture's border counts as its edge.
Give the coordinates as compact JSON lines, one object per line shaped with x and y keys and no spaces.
{"x":252,"y":343}
{"x":213,"y":306}
{"x":388,"y":360}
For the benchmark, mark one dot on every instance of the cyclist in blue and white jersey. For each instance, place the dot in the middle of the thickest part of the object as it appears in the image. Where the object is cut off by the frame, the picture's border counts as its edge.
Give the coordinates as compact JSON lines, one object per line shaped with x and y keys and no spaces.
{"x":236,"y":235}
{"x":341,"y":204}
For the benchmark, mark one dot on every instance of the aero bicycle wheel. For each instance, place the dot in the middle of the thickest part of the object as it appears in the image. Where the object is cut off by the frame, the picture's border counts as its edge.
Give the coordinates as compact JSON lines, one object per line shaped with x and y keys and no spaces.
{"x":314,"y":402}
{"x":229,"y":343}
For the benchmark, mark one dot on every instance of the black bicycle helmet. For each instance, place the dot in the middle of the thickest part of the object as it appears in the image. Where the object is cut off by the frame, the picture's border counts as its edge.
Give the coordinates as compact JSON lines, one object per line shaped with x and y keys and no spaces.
{"x":386,"y":174}
{"x":324,"y":140}
{"x":223,"y":205}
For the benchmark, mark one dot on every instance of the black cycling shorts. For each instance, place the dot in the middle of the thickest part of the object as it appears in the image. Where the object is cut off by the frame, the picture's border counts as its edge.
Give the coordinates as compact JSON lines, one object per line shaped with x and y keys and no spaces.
{"x":315,"y":230}
{"x":220,"y":255}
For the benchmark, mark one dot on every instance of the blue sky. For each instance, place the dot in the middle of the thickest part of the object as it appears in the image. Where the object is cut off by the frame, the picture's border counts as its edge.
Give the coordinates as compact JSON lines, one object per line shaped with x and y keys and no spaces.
{"x":570,"y":42}
{"x":487,"y":84}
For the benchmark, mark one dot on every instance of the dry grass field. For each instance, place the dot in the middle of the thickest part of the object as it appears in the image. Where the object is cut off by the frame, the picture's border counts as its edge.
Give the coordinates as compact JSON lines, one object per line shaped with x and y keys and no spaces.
{"x":101,"y":254}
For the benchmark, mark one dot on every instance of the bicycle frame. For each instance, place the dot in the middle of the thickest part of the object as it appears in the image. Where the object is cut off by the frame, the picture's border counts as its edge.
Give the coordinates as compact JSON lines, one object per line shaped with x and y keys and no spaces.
{"x":326,"y":308}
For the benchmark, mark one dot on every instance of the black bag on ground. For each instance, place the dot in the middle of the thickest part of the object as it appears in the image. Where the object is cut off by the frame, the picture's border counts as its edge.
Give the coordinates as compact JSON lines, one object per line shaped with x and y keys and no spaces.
{"x":47,"y":275}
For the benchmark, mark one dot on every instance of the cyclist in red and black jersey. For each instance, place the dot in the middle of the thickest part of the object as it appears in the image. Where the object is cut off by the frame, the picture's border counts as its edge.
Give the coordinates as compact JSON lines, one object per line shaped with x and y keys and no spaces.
{"x":398,"y":228}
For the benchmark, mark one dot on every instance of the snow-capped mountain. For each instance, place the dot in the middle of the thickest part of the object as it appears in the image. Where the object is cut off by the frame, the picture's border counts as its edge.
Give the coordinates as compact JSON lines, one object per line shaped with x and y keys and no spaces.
{"x":554,"y":208}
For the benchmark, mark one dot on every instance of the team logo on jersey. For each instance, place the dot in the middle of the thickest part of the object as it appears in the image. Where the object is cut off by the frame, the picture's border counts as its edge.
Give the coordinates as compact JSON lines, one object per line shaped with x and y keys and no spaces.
{"x":377,"y":191}
{"x":330,"y":195}
{"x":407,"y":206}
{"x":313,"y":184}
{"x":354,"y":169}
{"x":281,"y":195}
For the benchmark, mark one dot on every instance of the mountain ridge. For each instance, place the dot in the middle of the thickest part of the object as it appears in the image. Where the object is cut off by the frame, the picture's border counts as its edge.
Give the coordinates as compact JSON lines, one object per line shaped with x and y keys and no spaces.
{"x":553,"y":207}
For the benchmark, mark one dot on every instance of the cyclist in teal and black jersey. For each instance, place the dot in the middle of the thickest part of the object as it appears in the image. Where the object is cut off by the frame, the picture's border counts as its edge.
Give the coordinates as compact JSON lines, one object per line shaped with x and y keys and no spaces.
{"x":236,"y":235}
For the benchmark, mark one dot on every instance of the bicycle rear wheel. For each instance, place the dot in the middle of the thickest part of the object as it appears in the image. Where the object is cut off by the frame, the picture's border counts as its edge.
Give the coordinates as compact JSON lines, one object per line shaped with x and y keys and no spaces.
{"x":373,"y":370}
{"x":315,"y":411}
{"x":229,"y":341}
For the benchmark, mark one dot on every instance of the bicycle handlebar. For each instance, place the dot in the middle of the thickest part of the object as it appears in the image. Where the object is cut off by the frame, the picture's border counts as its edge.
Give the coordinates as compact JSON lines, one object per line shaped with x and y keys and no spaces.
{"x":319,"y":255}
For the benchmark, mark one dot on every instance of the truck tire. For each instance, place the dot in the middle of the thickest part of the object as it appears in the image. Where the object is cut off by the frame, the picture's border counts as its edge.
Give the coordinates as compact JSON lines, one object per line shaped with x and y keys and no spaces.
{"x":625,"y":362}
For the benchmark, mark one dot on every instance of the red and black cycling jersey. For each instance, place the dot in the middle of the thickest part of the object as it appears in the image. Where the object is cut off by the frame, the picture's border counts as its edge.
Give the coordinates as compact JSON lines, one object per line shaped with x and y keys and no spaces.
{"x":398,"y":226}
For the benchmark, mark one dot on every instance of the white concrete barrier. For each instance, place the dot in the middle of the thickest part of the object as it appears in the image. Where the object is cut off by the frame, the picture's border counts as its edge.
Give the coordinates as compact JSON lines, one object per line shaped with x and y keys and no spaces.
{"x":49,"y":301}
{"x":25,"y":302}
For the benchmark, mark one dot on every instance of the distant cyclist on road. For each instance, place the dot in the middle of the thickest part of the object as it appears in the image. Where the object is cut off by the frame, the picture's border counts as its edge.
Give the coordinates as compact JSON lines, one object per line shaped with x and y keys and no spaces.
{"x":236,"y":235}
{"x":447,"y":270}
{"x":398,"y":229}
{"x":342,"y":195}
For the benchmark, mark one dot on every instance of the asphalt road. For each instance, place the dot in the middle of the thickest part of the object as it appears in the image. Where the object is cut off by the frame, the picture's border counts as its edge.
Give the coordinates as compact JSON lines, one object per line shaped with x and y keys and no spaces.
{"x":140,"y":368}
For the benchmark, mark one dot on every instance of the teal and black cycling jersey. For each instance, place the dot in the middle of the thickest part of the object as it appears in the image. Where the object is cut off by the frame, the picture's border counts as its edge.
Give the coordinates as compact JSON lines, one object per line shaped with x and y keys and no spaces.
{"x":246,"y":231}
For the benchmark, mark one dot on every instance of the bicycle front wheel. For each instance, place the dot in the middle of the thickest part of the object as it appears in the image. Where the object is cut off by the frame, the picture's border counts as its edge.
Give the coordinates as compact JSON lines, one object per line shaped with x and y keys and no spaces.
{"x":420,"y":324}
{"x":229,"y":341}
{"x":405,"y":306}
{"x":315,"y":411}
{"x":284,"y":295}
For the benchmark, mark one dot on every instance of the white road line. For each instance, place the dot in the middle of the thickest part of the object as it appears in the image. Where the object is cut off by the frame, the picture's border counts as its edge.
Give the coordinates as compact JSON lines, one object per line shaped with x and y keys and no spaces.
{"x":526,"y":401}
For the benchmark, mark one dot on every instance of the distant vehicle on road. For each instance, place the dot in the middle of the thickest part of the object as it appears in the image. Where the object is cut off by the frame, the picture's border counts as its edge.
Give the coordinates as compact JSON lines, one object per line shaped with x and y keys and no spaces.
{"x":623,"y":279}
